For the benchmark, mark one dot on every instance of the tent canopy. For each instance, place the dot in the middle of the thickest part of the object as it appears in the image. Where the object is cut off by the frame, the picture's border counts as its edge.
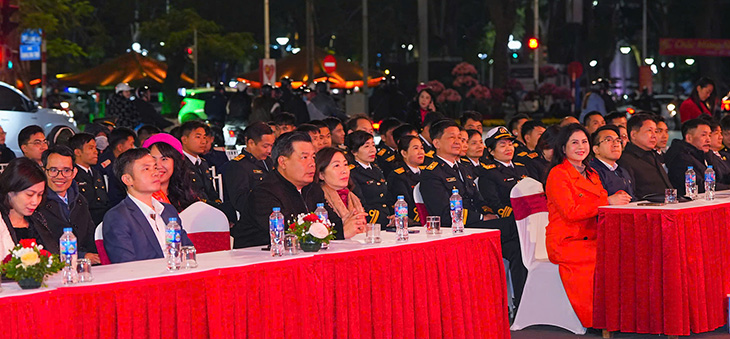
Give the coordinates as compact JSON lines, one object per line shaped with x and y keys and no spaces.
{"x":130,"y":67}
{"x":294,"y":66}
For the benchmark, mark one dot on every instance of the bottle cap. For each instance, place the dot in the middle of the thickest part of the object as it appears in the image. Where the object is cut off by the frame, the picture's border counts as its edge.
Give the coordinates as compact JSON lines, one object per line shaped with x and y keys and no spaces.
{"x":172,"y":219}
{"x":400,"y":197}
{"x":320,"y":204}
{"x":690,"y":167}
{"x":68,"y":229}
{"x":455,"y":191}
{"x":277,"y":209}
{"x":709,"y":166}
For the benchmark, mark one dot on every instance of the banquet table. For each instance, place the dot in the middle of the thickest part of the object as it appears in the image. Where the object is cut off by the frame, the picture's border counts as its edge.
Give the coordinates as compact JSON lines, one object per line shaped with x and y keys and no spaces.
{"x":432,"y":286}
{"x":663,"y":269}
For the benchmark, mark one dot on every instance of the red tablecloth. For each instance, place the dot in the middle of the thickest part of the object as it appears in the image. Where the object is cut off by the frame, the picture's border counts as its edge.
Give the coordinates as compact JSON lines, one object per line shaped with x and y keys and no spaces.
{"x":662,"y":271}
{"x":448,"y":288}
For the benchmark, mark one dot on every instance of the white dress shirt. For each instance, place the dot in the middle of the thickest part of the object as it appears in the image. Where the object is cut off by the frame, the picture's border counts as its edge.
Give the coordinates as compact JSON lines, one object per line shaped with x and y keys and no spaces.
{"x":366,"y":166}
{"x":154,"y":217}
{"x":193,"y":158}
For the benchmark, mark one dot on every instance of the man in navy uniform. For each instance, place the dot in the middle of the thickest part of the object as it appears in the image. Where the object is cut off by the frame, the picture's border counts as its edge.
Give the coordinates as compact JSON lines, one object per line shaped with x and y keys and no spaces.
{"x":90,"y":181}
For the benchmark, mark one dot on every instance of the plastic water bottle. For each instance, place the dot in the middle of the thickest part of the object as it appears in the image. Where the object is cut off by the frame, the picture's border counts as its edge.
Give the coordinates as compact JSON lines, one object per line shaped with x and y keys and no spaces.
{"x":69,"y":254}
{"x":709,"y":183}
{"x":322,"y":214}
{"x":457,"y":212}
{"x":276,"y":229}
{"x":401,"y":219}
{"x":172,"y":245}
{"x":690,"y":183}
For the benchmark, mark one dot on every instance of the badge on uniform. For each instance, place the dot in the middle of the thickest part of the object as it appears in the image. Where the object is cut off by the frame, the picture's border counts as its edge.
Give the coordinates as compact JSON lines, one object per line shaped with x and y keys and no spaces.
{"x":452,"y":179}
{"x":370,"y":182}
{"x":258,"y":171}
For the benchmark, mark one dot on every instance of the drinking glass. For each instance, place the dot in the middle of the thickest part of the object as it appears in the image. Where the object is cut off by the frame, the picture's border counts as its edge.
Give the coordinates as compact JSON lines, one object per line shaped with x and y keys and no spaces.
{"x":83,"y":267}
{"x":372,"y":233}
{"x":189,"y":257}
{"x":433,"y":224}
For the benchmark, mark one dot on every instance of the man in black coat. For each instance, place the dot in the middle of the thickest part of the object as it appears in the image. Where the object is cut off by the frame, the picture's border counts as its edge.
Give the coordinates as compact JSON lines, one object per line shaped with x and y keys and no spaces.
{"x":641,"y":159}
{"x":215,"y":106}
{"x":90,"y":181}
{"x":64,"y":207}
{"x":607,"y":150}
{"x":290,"y":187}
{"x":147,"y":113}
{"x":120,"y":140}
{"x":5,"y":153}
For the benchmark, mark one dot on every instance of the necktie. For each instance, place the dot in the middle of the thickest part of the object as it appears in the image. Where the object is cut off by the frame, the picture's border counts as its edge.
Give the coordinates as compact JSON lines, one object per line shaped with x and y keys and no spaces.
{"x":266,"y":167}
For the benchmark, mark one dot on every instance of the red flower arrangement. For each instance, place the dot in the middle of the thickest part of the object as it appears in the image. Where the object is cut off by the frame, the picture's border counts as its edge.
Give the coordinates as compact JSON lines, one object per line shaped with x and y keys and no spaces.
{"x":548,"y":71}
{"x":563,"y":93}
{"x":463,"y":68}
{"x":465,"y":81}
{"x":436,"y":86}
{"x":449,"y":95}
{"x":29,"y":261}
{"x":479,"y":92}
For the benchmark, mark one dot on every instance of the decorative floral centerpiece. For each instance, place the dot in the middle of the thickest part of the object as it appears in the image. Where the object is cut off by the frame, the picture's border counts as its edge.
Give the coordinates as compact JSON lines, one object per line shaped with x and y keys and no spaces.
{"x":28,"y":264}
{"x":311,"y":231}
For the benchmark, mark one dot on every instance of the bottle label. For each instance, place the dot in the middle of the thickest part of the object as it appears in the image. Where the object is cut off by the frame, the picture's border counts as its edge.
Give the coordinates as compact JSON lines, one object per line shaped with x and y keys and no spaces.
{"x":68,"y":247}
{"x":710,"y":177}
{"x":455,"y":205}
{"x":276,"y":224}
{"x":401,"y":211}
{"x":172,"y":236}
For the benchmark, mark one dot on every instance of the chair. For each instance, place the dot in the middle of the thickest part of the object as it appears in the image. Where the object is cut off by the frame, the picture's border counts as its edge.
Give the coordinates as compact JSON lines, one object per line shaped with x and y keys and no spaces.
{"x":207,"y":227}
{"x":99,"y":241}
{"x":2,"y":167}
{"x":217,"y":182}
{"x":420,"y":205}
{"x":231,"y":153}
{"x":544,"y":301}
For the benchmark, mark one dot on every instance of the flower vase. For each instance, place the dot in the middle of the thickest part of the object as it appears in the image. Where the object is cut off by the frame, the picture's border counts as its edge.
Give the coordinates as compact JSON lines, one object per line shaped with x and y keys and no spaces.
{"x":310,"y":245}
{"x":29,"y":283}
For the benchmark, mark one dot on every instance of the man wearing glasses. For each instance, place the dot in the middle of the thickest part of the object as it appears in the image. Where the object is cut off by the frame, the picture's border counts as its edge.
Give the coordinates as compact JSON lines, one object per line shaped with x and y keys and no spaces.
{"x":607,"y":150}
{"x":64,"y":206}
{"x":33,"y":143}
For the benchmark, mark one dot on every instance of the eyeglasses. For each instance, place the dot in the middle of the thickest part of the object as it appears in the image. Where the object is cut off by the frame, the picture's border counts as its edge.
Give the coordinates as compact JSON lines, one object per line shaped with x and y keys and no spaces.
{"x":66,"y":172}
{"x":38,"y":142}
{"x":610,"y":140}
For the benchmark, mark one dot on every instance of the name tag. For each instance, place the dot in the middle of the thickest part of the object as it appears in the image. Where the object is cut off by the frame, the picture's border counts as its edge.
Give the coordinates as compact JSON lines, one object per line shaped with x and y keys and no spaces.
{"x":258,"y":171}
{"x":370,"y":182}
{"x":452,"y":179}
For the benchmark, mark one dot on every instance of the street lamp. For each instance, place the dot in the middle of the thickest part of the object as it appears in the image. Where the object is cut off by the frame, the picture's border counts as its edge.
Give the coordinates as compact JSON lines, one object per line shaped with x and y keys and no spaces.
{"x":670,"y":64}
{"x":295,"y":50}
{"x":593,"y":63}
{"x":282,"y":40}
{"x":689,"y":61}
{"x":625,"y":49}
{"x":649,"y":61}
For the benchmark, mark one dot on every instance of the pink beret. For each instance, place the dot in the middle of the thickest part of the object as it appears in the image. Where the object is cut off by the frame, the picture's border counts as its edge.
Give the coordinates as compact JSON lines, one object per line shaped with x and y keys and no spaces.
{"x":166,"y":138}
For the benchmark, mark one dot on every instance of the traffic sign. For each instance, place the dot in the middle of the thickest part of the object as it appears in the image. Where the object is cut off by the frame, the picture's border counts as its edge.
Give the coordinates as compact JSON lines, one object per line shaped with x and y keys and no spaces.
{"x":329,"y":63}
{"x":31,"y":37}
{"x":575,"y":70}
{"x":30,"y":52}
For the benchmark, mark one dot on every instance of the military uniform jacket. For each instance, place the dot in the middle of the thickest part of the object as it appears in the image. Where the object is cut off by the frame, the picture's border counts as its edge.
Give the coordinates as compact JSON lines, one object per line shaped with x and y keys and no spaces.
{"x":372,"y":191}
{"x":386,"y":158}
{"x":401,"y":182}
{"x":720,"y":163}
{"x":93,"y":188}
{"x":496,"y":182}
{"x":202,"y":179}
{"x":429,"y":150}
{"x":526,"y":157}
{"x":437,"y":180}
{"x":469,"y":167}
{"x":241,"y":175}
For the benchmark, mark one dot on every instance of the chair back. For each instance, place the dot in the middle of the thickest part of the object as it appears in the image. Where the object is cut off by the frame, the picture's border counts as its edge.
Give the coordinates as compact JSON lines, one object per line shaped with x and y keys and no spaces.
{"x":99,"y":241}
{"x":207,"y":227}
{"x":420,"y":204}
{"x":231,"y":153}
{"x":529,"y":205}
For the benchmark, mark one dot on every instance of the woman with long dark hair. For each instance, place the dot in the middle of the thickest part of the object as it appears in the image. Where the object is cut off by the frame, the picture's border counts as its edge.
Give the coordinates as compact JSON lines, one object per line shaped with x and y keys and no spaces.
{"x":421,"y":105}
{"x":175,"y":181}
{"x":343,"y":207}
{"x":701,"y":100}
{"x":22,"y":185}
{"x":544,"y":149}
{"x":574,"y":193}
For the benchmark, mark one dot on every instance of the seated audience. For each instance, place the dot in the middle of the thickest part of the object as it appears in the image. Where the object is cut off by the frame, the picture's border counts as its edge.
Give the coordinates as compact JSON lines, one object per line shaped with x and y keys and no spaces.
{"x":472,"y":120}
{"x":249,"y":168}
{"x":147,"y":131}
{"x":403,"y":130}
{"x":22,"y":185}
{"x":175,"y":179}
{"x":135,"y":228}
{"x":403,"y":179}
{"x":568,"y":120}
{"x":662,"y":137}
{"x":6,"y":154}
{"x":33,"y":143}
{"x":325,"y":135}
{"x":444,"y":174}
{"x":616,"y":118}
{"x":725,"y":126}
{"x":193,"y":136}
{"x":606,"y":152}
{"x":63,"y":206}
{"x":284,"y":122}
{"x":500,"y":173}
{"x":718,"y":161}
{"x":369,"y":180}
{"x":574,"y":193}
{"x":359,"y":122}
{"x":337,"y":131}
{"x":544,"y":148}
{"x":624,"y":135}
{"x":215,"y":153}
{"x":289,"y":187}
{"x":387,"y":156}
{"x":89,"y":179}
{"x":475,"y":148}
{"x":120,"y":140}
{"x":514,"y":126}
{"x":701,"y":100}
{"x":425,"y":135}
{"x":691,"y":151}
{"x":314,"y":134}
{"x":344,"y":209}
{"x":641,"y":159}
{"x":420,"y":107}
{"x":592,"y":121}
{"x":531,"y":132}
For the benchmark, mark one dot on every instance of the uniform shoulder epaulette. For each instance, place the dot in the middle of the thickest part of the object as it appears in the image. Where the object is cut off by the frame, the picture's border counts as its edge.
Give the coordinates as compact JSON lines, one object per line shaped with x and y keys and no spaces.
{"x":352,"y":167}
{"x":422,"y":168}
{"x":518,"y":163}
{"x":489,"y":166}
{"x":429,"y":154}
{"x":239,"y":157}
{"x":465,"y":159}
{"x":532,"y":155}
{"x":400,"y":170}
{"x":521,"y":154}
{"x":432,"y":166}
{"x":381,"y":152}
{"x":516,"y":144}
{"x":390,"y":158}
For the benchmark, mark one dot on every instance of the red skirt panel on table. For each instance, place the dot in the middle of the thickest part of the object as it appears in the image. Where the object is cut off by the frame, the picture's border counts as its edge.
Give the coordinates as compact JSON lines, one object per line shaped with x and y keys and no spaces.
{"x":573,"y":202}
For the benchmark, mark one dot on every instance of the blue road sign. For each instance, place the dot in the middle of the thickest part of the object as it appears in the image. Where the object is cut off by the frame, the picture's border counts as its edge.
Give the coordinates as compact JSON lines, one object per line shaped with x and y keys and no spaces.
{"x":30,"y":52}
{"x":31,"y":37}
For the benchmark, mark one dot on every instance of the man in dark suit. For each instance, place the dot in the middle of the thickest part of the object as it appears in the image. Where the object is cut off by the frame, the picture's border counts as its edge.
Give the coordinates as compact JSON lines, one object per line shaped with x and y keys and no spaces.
{"x":135,"y":228}
{"x":641,"y":159}
{"x":607,"y":149}
{"x":91,"y":183}
{"x":120,"y":140}
{"x":63,"y":206}
{"x":248,"y":169}
{"x":289,"y":187}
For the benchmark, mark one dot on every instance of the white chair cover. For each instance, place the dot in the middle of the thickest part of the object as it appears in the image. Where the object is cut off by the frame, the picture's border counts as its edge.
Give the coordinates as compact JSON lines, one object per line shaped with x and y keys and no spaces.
{"x":201,"y":217}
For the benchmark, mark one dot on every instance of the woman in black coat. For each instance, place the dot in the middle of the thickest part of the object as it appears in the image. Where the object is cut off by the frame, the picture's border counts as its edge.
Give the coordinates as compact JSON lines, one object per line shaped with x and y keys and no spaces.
{"x":407,"y":174}
{"x":368,"y":178}
{"x":22,"y":186}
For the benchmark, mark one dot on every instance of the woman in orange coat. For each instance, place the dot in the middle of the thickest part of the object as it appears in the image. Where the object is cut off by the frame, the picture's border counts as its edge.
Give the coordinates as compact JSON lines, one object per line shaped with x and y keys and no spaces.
{"x":574,"y":193}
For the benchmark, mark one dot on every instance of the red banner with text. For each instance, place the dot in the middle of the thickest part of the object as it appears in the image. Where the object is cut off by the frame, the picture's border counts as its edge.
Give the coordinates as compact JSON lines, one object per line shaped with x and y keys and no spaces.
{"x":697,"y":47}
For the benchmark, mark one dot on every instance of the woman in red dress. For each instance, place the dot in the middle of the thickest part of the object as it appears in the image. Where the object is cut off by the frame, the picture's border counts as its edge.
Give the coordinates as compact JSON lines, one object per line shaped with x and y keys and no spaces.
{"x":574,"y":193}
{"x":701,"y":100}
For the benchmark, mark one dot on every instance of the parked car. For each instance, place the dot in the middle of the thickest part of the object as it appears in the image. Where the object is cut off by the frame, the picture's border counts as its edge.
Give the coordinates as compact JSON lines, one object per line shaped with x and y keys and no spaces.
{"x":18,"y":111}
{"x":192,"y":106}
{"x":664,"y":105}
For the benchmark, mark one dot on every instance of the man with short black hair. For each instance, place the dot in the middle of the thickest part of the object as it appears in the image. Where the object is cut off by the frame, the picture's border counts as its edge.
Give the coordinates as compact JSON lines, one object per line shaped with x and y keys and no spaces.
{"x":337,"y":132}
{"x":514,"y":126}
{"x":325,"y":135}
{"x":359,"y":122}
{"x":290,"y":186}
{"x":607,"y":150}
{"x":641,"y":159}
{"x":662,"y":136}
{"x":194,"y":139}
{"x":135,"y":228}
{"x":32,"y":142}
{"x":120,"y":140}
{"x":428,"y":121}
{"x":472,"y":120}
{"x":249,"y":168}
{"x":284,"y":122}
{"x":531,"y":131}
{"x":616,"y":118}
{"x":90,"y":181}
{"x":387,"y":155}
{"x":592,"y":121}
{"x":725,"y":126}
{"x":63,"y":206}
